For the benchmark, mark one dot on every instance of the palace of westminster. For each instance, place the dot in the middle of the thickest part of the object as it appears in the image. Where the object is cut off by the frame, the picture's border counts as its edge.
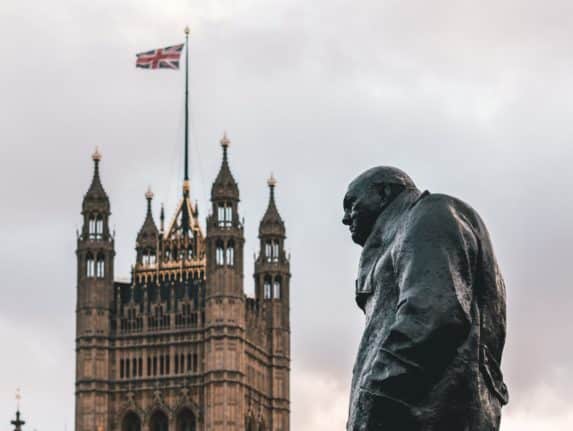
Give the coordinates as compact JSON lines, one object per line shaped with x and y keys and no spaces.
{"x":181,"y":347}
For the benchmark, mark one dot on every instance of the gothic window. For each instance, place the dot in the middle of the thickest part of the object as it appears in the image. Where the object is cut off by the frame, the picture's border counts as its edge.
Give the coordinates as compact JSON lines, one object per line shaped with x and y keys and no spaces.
{"x":275,"y":251}
{"x":148,"y":366}
{"x":185,"y":420}
{"x":268,"y":251}
{"x":121,"y":369}
{"x":100,"y":266}
{"x":267,"y":294}
{"x":90,"y":266}
{"x":158,"y":421}
{"x":92,"y":226}
{"x":225,"y":214}
{"x":99,"y":227}
{"x":190,"y":252}
{"x":167,"y":254}
{"x":219,"y":253}
{"x":175,"y":256}
{"x":127,"y":368}
{"x":152,"y":258}
{"x":131,"y":422}
{"x":277,"y":288}
{"x":230,"y":255}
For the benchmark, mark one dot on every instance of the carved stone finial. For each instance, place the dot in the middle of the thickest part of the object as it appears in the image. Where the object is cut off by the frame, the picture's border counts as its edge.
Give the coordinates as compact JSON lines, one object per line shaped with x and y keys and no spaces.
{"x":149,"y":194}
{"x":96,"y":156}
{"x":225,"y":141}
{"x":272,"y":181}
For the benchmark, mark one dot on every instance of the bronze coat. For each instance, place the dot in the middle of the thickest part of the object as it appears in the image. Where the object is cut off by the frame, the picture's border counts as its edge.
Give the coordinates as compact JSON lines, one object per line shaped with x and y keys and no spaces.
{"x":434,"y":302}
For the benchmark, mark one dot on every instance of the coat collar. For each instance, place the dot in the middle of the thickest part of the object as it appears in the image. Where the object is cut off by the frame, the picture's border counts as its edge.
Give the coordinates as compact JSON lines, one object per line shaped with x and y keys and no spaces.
{"x":382,"y":234}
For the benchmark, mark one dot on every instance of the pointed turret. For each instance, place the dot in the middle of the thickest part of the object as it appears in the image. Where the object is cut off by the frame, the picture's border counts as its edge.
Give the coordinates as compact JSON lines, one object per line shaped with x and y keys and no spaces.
{"x":149,"y":229}
{"x":148,"y":235}
{"x":96,"y":206}
{"x":272,"y":265}
{"x":225,"y":187}
{"x":272,"y":223}
{"x":96,"y":197}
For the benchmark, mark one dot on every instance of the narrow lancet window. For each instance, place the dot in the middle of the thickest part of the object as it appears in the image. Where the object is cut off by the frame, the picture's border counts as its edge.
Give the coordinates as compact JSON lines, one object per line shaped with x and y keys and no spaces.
{"x":100,"y":266}
{"x":99,"y":227}
{"x":267,"y":293}
{"x":90,"y":266}
{"x":219,"y":254}
{"x":230,"y":255}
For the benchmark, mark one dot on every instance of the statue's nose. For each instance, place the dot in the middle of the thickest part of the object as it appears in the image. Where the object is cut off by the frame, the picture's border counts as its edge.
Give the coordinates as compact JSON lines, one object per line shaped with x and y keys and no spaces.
{"x":346,"y":218}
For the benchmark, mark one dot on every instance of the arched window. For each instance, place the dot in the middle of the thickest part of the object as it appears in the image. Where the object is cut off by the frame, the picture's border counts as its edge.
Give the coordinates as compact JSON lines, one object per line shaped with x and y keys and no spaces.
{"x":275,"y":251}
{"x":100,"y":266}
{"x":190,"y":252}
{"x":225,"y":214}
{"x":152,"y":258}
{"x":277,"y":288}
{"x":230,"y":255}
{"x":158,"y":421}
{"x":90,"y":266}
{"x":92,"y":226}
{"x":267,"y":293}
{"x":131,"y":422}
{"x":99,"y":227}
{"x":219,"y":253}
{"x":268,"y":251}
{"x":167,"y":254}
{"x":185,"y":420}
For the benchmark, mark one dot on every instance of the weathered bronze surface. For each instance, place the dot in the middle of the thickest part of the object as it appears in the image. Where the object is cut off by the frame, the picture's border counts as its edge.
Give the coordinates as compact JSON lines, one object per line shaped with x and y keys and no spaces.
{"x":434,"y":301}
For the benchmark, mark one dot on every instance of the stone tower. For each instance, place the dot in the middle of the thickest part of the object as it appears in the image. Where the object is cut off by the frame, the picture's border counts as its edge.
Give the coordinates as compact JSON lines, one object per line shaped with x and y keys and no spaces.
{"x":180,"y":346}
{"x":272,"y":288}
{"x":95,"y":254}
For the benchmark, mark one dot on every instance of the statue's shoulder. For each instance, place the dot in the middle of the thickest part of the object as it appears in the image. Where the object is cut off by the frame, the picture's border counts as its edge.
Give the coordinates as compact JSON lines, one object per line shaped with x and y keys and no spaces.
{"x":441,"y":212}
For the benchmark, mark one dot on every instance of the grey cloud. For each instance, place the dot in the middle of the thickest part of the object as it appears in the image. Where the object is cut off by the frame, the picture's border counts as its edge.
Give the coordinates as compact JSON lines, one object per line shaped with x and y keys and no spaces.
{"x":473,"y":100}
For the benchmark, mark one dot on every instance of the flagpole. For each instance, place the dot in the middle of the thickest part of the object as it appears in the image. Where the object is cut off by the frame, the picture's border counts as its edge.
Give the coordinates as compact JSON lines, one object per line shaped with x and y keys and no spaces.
{"x":186,"y":186}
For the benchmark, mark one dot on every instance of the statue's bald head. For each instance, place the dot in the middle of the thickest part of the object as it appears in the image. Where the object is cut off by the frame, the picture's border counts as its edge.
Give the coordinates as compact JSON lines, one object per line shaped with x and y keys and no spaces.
{"x":368,"y":195}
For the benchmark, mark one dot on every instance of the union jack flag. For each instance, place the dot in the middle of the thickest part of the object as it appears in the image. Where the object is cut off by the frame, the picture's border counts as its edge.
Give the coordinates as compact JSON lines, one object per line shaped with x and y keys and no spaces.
{"x":162,"y":58}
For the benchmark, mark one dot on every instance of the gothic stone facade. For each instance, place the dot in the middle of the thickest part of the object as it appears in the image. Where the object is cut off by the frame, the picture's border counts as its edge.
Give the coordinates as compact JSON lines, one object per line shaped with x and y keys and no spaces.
{"x":181,"y":346}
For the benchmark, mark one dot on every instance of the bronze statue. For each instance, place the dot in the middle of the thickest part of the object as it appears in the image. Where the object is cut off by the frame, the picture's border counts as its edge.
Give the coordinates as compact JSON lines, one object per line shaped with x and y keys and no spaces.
{"x":434,"y":301}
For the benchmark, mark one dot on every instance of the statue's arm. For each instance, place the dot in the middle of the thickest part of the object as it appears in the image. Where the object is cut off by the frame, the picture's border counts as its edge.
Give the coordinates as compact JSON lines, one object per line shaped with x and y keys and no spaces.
{"x":434,"y":263}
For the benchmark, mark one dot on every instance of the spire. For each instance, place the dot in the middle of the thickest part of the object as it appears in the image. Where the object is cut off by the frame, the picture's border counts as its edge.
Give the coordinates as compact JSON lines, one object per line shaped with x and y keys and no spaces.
{"x":162,"y":218}
{"x":225,"y":186}
{"x":149,"y":230}
{"x":18,"y":422}
{"x":96,"y":195}
{"x":272,"y":223}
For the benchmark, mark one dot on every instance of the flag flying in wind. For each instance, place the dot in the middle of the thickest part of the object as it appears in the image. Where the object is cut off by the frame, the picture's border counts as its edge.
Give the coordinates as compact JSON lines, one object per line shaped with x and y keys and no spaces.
{"x":162,"y":58}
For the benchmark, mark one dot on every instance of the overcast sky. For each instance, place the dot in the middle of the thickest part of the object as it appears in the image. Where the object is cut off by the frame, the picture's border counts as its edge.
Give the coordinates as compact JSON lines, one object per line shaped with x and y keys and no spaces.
{"x":472,"y":99}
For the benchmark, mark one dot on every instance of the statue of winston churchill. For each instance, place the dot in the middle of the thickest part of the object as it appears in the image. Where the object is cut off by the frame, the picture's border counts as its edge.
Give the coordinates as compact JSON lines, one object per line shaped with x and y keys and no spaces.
{"x":434,"y":301}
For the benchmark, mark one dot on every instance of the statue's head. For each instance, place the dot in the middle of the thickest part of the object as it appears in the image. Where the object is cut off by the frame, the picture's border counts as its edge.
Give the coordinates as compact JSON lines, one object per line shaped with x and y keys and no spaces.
{"x":368,"y":195}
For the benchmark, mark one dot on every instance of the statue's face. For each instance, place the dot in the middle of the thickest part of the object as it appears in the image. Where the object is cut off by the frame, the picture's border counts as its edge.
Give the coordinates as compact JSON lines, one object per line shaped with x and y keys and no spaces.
{"x":362,"y":205}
